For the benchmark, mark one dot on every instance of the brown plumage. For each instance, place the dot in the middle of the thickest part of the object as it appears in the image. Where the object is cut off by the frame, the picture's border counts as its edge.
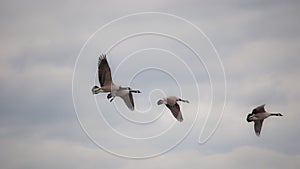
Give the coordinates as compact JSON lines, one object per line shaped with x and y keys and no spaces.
{"x":171,"y":103}
{"x":107,"y":85}
{"x":257,"y":116}
{"x":104,"y":73}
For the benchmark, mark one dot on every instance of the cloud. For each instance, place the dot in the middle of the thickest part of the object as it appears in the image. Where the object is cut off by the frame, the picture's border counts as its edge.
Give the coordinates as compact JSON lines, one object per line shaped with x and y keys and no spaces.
{"x":258,"y":43}
{"x":35,"y":152}
{"x":241,"y":157}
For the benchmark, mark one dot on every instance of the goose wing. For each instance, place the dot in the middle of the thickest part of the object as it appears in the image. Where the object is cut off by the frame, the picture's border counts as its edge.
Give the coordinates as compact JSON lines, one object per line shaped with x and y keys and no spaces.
{"x":175,"y":109}
{"x":104,"y":73}
{"x":257,"y":126}
{"x":259,"y":109}
{"x":128,"y":99}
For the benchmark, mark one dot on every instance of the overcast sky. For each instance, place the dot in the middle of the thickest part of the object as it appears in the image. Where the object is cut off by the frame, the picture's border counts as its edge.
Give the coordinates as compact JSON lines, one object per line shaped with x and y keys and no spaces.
{"x":44,"y":123}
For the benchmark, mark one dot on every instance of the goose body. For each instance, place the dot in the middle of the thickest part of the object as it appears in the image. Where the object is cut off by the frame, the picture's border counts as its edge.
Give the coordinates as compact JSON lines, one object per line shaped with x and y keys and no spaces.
{"x":257,"y":116}
{"x":107,"y":85}
{"x":171,"y":103}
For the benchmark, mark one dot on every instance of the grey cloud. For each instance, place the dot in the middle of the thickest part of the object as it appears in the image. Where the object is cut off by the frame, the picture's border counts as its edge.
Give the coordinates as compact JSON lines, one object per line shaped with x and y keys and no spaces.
{"x":258,"y":43}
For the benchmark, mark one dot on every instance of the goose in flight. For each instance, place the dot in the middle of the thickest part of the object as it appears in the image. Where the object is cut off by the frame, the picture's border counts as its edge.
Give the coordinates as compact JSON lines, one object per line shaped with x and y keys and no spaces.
{"x":171,"y":103}
{"x":258,"y":115}
{"x":107,"y":85}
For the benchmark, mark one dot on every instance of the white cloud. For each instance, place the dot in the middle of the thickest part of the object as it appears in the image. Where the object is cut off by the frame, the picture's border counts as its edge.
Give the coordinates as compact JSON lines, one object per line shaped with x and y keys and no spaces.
{"x":35,"y":152}
{"x":241,"y":157}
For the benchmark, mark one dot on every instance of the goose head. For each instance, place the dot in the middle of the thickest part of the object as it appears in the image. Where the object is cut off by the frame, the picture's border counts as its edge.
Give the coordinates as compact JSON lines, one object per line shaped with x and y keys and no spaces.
{"x":159,"y":102}
{"x":249,"y":118}
{"x":96,"y":90}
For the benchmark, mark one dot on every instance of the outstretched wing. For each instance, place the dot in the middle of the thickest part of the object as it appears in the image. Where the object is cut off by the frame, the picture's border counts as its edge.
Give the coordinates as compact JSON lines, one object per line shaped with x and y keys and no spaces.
{"x":175,"y":109}
{"x":128,"y":99}
{"x":259,"y":109}
{"x":257,"y":126}
{"x":104,"y":73}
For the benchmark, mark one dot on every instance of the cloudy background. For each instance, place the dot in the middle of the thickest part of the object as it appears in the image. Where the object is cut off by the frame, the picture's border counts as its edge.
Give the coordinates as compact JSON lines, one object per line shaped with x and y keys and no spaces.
{"x":258,"y":43}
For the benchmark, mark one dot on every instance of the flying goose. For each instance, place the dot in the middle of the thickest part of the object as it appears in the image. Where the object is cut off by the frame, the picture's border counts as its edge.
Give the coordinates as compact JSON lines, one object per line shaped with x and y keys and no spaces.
{"x":107,"y":85}
{"x":171,"y":103}
{"x":258,"y":115}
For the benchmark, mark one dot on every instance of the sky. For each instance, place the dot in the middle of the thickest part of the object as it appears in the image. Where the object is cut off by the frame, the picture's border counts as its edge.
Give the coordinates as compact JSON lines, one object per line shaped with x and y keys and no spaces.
{"x":225,"y":57}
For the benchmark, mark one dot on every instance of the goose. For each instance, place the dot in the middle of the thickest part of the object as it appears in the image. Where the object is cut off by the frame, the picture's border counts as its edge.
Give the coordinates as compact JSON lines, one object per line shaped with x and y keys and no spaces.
{"x":257,"y":116}
{"x":107,"y":85}
{"x":171,"y":103}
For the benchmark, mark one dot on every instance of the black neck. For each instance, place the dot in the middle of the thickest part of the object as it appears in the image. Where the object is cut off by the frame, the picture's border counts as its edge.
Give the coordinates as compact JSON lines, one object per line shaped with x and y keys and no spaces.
{"x":276,"y":114}
{"x":135,"y":91}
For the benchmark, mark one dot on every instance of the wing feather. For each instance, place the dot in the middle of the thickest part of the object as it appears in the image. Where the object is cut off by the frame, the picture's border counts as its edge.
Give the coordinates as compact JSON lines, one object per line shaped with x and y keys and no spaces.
{"x":175,"y":109}
{"x":128,"y":99}
{"x":104,"y":73}
{"x":257,"y":126}
{"x":259,"y":109}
